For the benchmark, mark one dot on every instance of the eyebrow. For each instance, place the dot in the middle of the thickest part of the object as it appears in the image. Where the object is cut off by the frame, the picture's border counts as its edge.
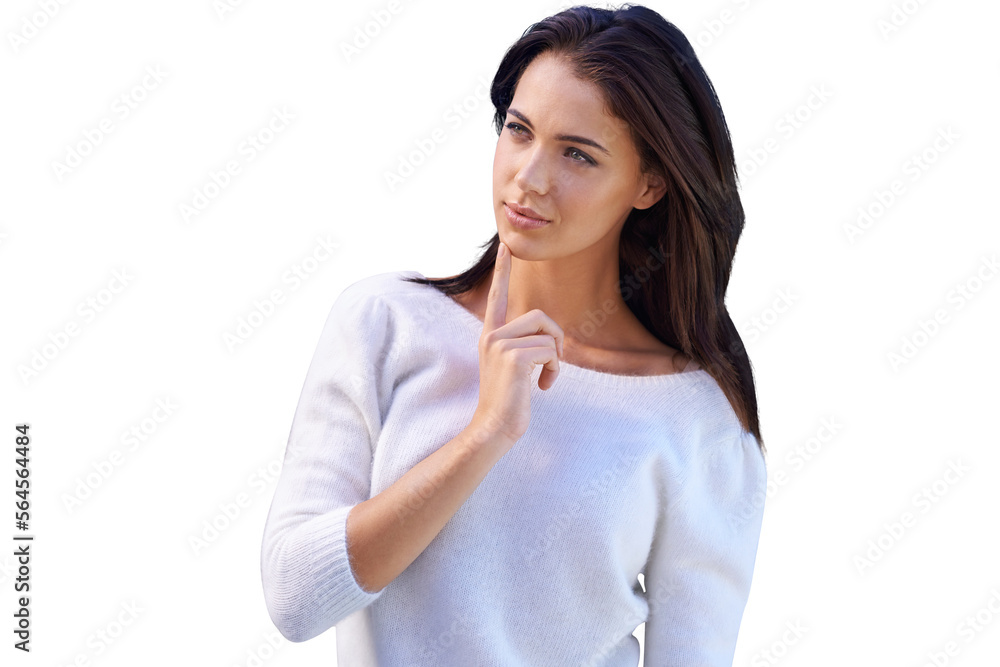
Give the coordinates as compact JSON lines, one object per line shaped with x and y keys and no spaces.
{"x":562,"y":137}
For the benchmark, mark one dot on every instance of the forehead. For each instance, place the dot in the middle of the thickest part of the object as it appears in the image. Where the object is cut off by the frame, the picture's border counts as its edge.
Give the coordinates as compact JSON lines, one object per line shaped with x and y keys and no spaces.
{"x":558,"y":102}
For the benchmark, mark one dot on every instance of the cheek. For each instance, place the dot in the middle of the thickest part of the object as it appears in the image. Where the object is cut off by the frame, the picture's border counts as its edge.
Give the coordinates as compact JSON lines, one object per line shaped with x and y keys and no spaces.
{"x":584,"y":193}
{"x":501,"y":158}
{"x":591,"y":200}
{"x":498,"y":166}
{"x":609,"y":195}
{"x":504,"y":170}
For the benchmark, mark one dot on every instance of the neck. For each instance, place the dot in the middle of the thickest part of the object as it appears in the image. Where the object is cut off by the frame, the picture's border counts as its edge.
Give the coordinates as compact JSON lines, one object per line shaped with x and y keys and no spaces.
{"x":580,"y":293}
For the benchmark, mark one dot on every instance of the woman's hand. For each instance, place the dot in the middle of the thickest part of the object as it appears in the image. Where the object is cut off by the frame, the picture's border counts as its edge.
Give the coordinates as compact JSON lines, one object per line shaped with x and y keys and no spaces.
{"x":508,"y":354}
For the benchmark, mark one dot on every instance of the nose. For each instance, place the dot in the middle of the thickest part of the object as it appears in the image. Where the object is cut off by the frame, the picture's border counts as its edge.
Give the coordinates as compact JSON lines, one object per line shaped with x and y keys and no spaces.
{"x":534,"y":175}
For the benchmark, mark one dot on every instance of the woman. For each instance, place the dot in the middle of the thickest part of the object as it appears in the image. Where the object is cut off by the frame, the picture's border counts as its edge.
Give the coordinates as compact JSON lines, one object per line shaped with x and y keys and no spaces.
{"x":438,"y":508}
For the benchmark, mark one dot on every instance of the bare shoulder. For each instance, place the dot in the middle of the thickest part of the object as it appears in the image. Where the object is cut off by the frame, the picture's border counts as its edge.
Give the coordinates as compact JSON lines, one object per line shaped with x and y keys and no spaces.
{"x":647,"y":356}
{"x":668,"y":360}
{"x":682,"y":362}
{"x":660,"y":357}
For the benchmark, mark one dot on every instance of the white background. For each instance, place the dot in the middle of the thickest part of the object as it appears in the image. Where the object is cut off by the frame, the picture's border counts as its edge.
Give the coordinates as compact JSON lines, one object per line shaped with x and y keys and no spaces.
{"x":821,"y":311}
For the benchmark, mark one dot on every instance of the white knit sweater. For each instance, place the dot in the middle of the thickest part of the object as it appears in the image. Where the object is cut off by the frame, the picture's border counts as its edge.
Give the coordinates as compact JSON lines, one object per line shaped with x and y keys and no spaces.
{"x":616,"y":475}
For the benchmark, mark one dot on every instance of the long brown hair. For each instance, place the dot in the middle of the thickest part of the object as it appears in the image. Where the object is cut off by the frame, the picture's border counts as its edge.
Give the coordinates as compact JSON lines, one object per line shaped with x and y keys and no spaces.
{"x":653,"y":81}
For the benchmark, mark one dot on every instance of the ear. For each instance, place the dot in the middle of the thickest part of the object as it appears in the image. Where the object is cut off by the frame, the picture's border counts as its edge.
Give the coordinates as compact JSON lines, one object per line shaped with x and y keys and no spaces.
{"x":653,"y":189}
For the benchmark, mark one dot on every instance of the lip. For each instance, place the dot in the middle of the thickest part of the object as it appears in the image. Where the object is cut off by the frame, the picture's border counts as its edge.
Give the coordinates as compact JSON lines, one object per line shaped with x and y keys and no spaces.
{"x":520,"y":220}
{"x":526,"y":212}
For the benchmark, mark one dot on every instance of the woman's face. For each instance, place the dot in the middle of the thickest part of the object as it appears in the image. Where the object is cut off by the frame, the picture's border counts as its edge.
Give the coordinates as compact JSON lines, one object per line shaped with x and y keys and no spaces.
{"x":561,"y":155}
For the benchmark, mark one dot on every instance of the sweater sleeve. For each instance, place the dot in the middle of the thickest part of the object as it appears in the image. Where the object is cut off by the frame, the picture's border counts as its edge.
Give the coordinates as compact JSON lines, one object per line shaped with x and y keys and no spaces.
{"x":309,"y":585}
{"x":702,"y":559}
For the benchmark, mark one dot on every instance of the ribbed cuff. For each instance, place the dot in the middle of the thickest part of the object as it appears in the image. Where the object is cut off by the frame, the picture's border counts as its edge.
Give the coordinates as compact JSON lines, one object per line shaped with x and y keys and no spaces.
{"x":336,"y":589}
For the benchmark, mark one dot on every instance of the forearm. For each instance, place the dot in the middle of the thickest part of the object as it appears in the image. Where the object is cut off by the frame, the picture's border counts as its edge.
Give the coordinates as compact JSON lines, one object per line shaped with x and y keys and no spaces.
{"x":388,"y":531}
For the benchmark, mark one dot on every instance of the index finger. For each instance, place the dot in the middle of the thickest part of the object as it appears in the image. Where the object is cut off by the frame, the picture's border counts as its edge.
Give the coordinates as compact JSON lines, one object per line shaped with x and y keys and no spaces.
{"x":496,"y":300}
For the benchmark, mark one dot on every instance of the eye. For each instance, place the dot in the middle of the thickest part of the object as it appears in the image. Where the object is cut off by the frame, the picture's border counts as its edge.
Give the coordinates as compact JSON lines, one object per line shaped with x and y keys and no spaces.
{"x":585,"y":158}
{"x":517,"y":130}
